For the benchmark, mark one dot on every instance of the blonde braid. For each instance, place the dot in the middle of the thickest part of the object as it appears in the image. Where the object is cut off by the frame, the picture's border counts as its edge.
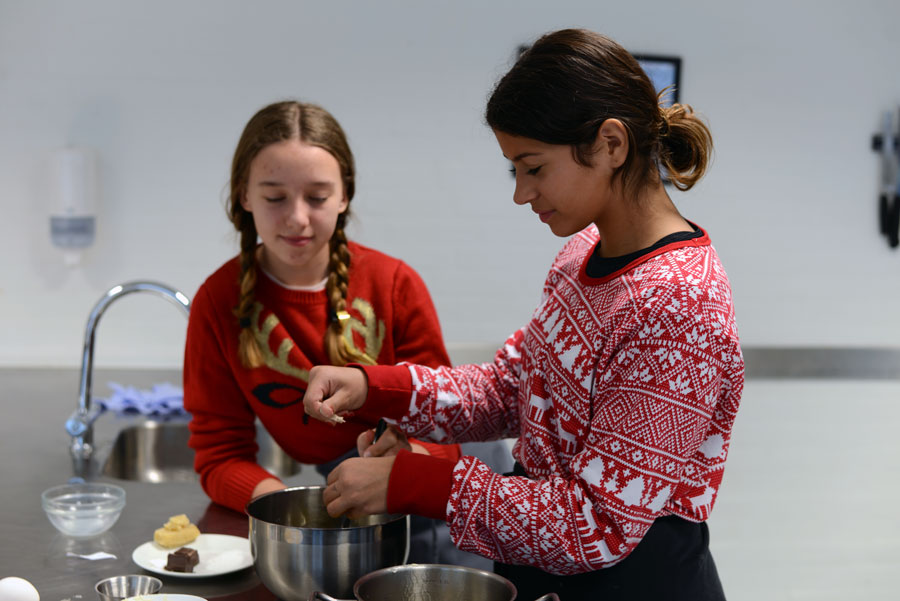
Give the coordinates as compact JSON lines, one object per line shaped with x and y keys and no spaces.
{"x":249,"y":352}
{"x":339,"y":350}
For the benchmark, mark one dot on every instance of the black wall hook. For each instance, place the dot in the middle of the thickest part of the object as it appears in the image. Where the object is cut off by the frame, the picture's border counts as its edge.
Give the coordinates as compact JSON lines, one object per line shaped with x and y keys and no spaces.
{"x":878,"y":141}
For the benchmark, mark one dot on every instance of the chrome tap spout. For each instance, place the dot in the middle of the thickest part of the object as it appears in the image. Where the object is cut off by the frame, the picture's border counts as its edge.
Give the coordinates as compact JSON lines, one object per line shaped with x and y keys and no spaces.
{"x":80,"y":423}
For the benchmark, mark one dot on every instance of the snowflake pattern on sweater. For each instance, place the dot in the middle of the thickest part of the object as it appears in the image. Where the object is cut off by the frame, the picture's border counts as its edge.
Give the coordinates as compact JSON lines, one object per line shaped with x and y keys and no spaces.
{"x":622,"y":393}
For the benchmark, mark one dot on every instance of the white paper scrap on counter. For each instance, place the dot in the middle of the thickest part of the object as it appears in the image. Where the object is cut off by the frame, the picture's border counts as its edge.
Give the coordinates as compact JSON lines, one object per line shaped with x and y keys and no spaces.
{"x":93,"y":556}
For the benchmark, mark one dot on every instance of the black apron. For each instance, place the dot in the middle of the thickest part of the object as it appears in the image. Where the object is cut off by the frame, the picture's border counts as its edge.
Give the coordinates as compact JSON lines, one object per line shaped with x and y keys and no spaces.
{"x":671,"y":563}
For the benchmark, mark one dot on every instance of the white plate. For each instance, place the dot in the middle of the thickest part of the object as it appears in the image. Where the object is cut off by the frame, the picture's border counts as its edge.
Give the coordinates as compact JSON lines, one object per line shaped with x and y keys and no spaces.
{"x":219,"y":554}
{"x":166,"y":597}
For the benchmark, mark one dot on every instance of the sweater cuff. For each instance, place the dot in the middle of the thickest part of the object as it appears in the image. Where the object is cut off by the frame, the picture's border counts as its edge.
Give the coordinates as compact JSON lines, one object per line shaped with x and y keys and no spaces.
{"x":420,"y":484}
{"x":390,"y":392}
{"x":235,"y":490}
{"x":444,"y":451}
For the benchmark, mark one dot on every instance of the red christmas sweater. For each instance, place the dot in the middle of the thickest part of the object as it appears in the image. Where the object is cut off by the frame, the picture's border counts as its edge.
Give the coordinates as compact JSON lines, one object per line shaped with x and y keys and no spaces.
{"x":392,"y":319}
{"x":621,"y":392}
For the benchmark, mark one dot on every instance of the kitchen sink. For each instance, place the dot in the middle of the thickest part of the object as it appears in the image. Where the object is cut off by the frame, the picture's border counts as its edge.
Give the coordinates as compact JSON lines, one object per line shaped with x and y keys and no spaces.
{"x":158,"y":452}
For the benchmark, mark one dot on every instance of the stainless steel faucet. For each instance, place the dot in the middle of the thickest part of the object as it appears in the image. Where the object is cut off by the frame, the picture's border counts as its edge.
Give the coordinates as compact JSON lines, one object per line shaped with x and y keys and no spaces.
{"x":81,"y":423}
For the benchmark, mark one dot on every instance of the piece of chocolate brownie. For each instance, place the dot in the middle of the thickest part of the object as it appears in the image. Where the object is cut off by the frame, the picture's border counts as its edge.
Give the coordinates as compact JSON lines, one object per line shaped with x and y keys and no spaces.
{"x":183,"y":560}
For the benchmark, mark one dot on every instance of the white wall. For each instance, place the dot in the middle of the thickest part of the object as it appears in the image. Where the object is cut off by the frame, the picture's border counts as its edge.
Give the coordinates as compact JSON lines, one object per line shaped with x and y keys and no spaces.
{"x":793,"y":92}
{"x":807,"y":508}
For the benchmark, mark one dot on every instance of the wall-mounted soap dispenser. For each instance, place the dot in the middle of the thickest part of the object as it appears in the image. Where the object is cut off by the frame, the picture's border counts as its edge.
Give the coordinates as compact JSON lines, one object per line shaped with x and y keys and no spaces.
{"x":74,"y":193}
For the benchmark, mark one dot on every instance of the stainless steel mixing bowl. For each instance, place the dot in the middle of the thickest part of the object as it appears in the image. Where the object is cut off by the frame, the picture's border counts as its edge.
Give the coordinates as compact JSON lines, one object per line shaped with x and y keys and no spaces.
{"x":435,"y":582}
{"x":299,"y":549}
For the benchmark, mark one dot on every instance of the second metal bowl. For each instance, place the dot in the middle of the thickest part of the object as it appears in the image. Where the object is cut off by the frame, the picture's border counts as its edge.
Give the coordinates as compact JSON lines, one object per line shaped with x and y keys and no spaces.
{"x":122,"y":587}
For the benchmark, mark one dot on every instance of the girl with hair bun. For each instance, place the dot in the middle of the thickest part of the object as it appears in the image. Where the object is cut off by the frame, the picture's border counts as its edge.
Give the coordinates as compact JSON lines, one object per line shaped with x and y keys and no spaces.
{"x":622,"y":389}
{"x":299,"y":294}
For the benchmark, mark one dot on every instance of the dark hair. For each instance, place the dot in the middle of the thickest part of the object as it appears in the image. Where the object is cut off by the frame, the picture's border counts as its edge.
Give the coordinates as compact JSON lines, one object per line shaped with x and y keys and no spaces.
{"x":311,"y":124}
{"x":562,"y":89}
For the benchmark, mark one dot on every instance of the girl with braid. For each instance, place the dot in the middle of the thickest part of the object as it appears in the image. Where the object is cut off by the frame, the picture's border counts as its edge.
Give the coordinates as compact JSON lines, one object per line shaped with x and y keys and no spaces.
{"x":299,"y":294}
{"x":623,"y":387}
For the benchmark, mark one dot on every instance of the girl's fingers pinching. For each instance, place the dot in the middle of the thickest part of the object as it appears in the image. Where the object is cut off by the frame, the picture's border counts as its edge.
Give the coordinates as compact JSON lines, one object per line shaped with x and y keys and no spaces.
{"x":320,"y":411}
{"x":333,"y":390}
{"x":319,"y":396}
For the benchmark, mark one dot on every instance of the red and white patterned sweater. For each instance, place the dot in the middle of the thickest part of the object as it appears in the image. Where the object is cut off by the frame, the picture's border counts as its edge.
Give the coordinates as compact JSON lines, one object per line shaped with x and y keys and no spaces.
{"x":621,"y":391}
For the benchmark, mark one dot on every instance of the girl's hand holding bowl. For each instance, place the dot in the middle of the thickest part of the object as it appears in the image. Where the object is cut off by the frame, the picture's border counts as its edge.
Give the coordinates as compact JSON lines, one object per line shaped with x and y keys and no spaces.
{"x":358,"y":487}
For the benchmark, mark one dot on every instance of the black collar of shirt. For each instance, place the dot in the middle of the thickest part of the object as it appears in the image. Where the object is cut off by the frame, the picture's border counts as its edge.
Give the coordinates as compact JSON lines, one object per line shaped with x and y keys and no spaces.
{"x":599,"y":267}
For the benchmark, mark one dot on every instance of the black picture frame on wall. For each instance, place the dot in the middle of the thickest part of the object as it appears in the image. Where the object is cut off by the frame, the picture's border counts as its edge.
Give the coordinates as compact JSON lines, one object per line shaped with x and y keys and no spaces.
{"x":665,"y":72}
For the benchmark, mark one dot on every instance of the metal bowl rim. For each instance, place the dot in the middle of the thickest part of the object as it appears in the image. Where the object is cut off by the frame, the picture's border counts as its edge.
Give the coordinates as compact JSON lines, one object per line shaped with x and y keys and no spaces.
{"x":50,"y":503}
{"x":150,"y":579}
{"x":391,"y":517}
{"x":417,"y":567}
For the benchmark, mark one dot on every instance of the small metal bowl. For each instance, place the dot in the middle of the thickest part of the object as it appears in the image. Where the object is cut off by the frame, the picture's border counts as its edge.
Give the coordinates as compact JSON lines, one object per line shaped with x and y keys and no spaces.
{"x":122,"y":587}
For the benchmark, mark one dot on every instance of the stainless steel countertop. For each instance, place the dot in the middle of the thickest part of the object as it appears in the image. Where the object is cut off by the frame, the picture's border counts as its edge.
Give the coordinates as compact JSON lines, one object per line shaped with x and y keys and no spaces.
{"x":35,"y":456}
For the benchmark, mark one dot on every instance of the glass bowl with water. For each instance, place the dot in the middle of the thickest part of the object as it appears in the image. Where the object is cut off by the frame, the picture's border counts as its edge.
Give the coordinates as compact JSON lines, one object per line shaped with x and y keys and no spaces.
{"x":85,"y":509}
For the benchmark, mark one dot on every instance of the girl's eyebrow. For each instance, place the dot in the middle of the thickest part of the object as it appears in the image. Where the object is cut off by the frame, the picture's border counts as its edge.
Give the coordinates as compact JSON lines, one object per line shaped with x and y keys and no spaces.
{"x":522,"y":155}
{"x":277,"y":183}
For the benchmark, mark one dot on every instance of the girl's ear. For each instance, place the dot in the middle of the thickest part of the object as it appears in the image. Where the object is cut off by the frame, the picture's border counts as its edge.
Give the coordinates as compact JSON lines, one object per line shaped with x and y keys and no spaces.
{"x":612,"y":142}
{"x":345,"y":202}
{"x":244,"y":202}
